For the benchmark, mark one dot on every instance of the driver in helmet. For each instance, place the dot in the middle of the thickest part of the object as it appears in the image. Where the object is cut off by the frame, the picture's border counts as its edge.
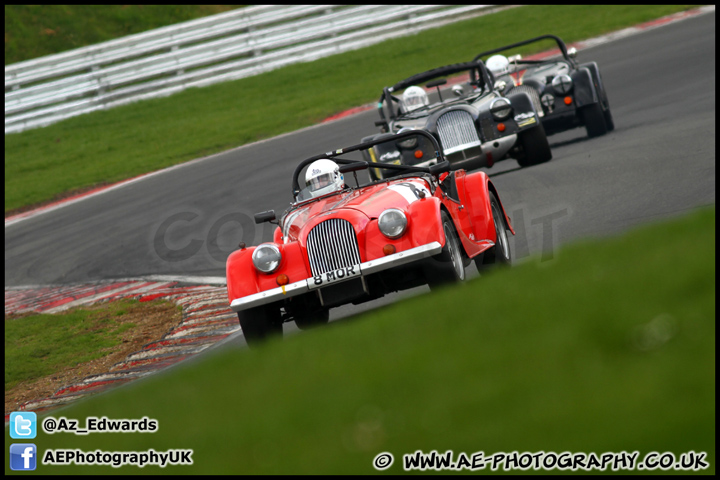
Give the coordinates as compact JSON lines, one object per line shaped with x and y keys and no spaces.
{"x":322,"y":177}
{"x":498,"y":65}
{"x":413,"y":98}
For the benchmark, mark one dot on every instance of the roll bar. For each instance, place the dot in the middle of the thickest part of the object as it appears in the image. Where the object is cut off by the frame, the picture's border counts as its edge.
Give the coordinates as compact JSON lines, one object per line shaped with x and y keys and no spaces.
{"x":472,"y":67}
{"x":558,"y":40}
{"x":434,"y":170}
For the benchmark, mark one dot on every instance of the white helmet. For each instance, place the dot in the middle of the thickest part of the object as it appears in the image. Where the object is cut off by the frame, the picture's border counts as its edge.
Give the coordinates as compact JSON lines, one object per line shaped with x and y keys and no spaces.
{"x":322,"y":177}
{"x":497,"y":64}
{"x":413,"y":98}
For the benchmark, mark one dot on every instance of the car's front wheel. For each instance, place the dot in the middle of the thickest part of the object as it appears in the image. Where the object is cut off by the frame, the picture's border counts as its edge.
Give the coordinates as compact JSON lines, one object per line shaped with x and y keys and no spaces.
{"x":535,"y":147}
{"x":609,"y":122}
{"x":500,"y":253}
{"x":448,"y":266}
{"x":260,"y":323}
{"x":607,"y":115}
{"x":594,"y":119}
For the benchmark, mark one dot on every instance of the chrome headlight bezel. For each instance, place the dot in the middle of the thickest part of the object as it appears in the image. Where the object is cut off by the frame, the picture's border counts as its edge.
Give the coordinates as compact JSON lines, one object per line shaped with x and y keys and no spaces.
{"x":392,"y":223}
{"x":547,"y":100}
{"x":498,"y":111}
{"x":562,"y":84}
{"x":266,"y":257}
{"x":408,"y":143}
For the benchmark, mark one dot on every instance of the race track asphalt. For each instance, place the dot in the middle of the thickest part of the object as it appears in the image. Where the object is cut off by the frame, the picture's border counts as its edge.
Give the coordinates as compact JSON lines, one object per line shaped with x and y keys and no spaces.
{"x":658,"y":163}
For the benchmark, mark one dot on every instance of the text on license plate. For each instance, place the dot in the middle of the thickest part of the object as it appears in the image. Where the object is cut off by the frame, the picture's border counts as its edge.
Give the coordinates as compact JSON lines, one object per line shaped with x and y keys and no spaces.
{"x":335,"y":276}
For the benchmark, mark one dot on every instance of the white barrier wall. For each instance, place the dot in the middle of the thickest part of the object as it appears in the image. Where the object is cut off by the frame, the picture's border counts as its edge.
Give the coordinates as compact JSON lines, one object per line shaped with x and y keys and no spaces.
{"x":231,"y":45}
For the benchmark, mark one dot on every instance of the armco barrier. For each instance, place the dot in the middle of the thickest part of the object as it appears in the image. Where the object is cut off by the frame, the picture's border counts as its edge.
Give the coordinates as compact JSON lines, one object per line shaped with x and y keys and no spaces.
{"x":231,"y":45}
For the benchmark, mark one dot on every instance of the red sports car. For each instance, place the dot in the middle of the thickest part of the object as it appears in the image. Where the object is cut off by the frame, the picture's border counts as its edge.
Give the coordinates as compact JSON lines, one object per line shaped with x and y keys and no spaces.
{"x":340,"y":243}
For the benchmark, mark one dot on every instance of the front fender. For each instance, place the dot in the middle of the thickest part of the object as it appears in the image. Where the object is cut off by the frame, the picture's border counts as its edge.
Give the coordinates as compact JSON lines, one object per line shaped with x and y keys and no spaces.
{"x":524,"y":112}
{"x":424,"y":226}
{"x":478,"y":187}
{"x":583,"y":87}
{"x":244,"y":279}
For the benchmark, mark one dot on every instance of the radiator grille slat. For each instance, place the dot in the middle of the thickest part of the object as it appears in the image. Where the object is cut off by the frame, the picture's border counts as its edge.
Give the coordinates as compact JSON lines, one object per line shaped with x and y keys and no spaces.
{"x":332,"y":245}
{"x":534,"y":97}
{"x":457,"y":131}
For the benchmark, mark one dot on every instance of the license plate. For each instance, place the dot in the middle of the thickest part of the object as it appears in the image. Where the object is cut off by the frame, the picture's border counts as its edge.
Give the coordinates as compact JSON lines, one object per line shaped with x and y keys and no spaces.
{"x":339,"y":275}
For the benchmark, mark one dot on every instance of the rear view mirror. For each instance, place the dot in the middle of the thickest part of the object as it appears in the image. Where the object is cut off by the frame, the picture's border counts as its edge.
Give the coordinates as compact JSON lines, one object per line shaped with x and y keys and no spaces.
{"x":436,"y":83}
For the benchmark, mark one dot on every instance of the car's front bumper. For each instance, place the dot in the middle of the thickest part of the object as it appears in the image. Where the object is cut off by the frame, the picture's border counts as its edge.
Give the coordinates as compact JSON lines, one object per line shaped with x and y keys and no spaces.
{"x":367,"y":268}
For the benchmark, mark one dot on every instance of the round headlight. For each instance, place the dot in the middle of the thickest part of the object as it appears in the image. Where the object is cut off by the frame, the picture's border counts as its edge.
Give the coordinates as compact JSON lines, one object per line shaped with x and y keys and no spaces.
{"x":392,"y":223}
{"x":547,"y":100}
{"x":562,"y":84}
{"x":408,"y":143}
{"x":500,"y":108}
{"x":266,"y":257}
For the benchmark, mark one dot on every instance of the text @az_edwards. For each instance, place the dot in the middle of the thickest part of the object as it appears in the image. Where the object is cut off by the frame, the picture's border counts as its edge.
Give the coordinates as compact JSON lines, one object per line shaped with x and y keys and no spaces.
{"x":52,"y":425}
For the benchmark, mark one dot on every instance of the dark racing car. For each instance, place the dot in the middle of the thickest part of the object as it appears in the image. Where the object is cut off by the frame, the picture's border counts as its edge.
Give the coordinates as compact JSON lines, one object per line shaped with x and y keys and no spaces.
{"x":475,"y":125}
{"x":566,"y":94}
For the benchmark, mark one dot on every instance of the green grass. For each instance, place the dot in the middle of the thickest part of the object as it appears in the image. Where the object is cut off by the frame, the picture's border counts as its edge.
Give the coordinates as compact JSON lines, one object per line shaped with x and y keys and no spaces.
{"x":608,"y":348}
{"x":43,"y":344}
{"x":33,"y":31}
{"x":109,"y":146}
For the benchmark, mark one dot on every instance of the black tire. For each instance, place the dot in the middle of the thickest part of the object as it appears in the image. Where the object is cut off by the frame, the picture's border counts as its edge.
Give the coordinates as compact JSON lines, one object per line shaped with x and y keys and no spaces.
{"x":260,"y":323}
{"x":535,"y":146}
{"x":448,"y":266}
{"x":306,"y":322}
{"x":594,"y":119}
{"x":609,"y":122}
{"x":494,"y":257}
{"x":607,"y":115}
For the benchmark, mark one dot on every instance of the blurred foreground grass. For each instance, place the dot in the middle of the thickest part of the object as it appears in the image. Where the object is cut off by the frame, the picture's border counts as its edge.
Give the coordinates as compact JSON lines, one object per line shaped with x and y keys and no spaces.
{"x":608,"y":348}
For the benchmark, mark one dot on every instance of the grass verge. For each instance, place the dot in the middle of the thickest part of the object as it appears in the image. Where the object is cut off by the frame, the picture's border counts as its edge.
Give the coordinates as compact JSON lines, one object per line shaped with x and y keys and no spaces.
{"x":608,"y":348}
{"x":45,"y":352}
{"x":123,"y":142}
{"x":33,"y":31}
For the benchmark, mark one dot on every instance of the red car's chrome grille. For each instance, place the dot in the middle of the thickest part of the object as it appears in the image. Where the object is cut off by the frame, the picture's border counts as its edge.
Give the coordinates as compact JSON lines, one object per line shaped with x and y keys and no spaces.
{"x":457,"y":131}
{"x":332,"y":245}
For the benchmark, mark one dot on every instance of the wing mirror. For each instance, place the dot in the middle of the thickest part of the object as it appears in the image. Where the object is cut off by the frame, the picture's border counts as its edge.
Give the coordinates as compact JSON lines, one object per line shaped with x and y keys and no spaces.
{"x":515,"y":58}
{"x":263,"y":217}
{"x":458,"y":90}
{"x":572,"y":52}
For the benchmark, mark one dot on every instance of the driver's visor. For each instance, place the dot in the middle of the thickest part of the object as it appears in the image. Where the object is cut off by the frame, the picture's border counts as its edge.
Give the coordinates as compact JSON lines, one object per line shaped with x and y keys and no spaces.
{"x":415,"y":100}
{"x":320,"y":181}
